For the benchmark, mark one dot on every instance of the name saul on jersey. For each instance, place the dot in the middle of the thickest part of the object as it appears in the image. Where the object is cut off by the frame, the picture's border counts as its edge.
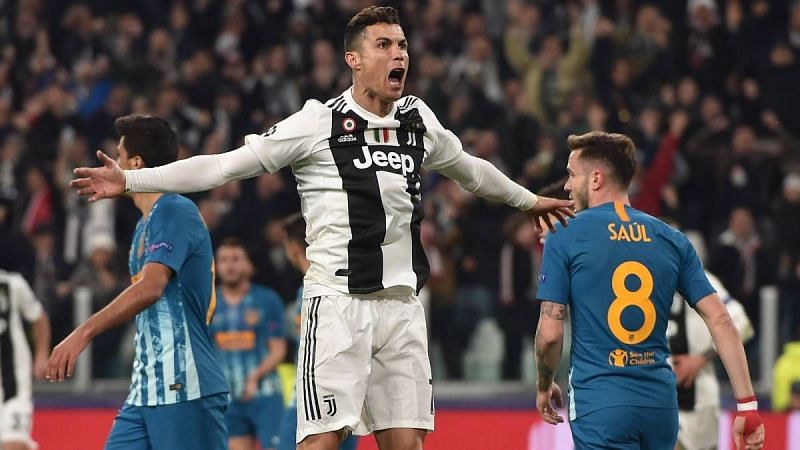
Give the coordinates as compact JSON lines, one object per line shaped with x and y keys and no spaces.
{"x":397,"y":161}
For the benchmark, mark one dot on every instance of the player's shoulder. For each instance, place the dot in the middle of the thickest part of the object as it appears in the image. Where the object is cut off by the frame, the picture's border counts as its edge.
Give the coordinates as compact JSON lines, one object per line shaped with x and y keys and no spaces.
{"x":175,"y":205}
{"x":410,"y":102}
{"x":666,"y":230}
{"x":12,"y":278}
{"x":264,"y":293}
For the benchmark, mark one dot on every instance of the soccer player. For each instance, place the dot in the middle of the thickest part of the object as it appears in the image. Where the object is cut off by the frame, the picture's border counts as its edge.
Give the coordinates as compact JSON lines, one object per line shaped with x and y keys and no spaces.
{"x":18,"y":304}
{"x":178,"y":394}
{"x":294,"y":244}
{"x":617,"y":269}
{"x":358,"y":160}
{"x":249,"y":333}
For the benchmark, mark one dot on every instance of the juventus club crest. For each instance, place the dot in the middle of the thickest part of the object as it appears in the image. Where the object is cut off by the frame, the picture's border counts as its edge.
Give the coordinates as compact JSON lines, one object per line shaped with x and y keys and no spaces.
{"x":330,"y":402}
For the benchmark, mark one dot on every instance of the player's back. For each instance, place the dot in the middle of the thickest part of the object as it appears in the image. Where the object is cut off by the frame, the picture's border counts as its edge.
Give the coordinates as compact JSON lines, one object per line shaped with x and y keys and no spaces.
{"x":619,"y":268}
{"x":175,"y":358}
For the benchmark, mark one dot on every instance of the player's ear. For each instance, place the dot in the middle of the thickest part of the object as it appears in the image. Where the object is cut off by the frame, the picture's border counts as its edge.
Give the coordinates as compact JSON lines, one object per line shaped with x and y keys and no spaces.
{"x":138,"y":162}
{"x":596,"y":179}
{"x":353,"y":60}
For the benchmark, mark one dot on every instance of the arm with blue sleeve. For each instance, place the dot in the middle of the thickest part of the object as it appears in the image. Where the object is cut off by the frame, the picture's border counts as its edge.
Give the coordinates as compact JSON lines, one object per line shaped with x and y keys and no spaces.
{"x":554,"y":293}
{"x":133,"y":300}
{"x":695,"y":288}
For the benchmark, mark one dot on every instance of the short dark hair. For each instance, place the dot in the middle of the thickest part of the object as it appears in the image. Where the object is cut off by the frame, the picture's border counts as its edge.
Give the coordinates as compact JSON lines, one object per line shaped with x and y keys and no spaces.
{"x":234,"y":242}
{"x":366,"y":17}
{"x":295,"y":228}
{"x":614,"y":150}
{"x":148,"y":137}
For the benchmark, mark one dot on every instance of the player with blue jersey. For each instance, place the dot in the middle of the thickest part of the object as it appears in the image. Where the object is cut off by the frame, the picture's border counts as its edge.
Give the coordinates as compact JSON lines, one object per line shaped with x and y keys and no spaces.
{"x":248,"y":331}
{"x":178,"y":394}
{"x":294,"y":244}
{"x":617,"y":269}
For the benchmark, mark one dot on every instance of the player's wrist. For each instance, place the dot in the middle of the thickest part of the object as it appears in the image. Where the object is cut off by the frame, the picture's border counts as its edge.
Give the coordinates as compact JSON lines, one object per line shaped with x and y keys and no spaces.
{"x":529,"y":201}
{"x":126,"y":182}
{"x":745,"y":404}
{"x":747,"y":409}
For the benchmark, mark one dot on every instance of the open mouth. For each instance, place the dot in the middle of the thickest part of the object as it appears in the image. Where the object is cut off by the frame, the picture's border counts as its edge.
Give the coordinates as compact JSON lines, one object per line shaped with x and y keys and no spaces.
{"x":396,"y":77}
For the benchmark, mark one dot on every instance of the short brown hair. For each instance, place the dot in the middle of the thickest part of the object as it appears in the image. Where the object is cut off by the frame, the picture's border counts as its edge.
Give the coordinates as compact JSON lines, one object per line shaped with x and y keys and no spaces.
{"x":614,"y":150}
{"x":366,"y":17}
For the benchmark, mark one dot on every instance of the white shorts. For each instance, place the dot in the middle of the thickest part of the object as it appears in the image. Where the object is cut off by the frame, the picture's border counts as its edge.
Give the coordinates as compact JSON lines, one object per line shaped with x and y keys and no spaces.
{"x":16,"y":421}
{"x":363,"y":365}
{"x":699,"y":429}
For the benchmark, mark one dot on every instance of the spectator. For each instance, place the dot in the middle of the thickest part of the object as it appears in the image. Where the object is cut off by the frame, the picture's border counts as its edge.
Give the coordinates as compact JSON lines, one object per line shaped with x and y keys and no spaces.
{"x":787,"y":376}
{"x":518,"y":310}
{"x":103,"y":275}
{"x":741,"y":261}
{"x":511,"y":78}
{"x":787,"y":217}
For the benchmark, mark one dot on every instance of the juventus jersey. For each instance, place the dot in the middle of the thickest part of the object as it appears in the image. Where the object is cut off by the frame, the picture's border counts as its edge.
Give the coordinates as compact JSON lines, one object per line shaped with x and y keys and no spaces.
{"x":688,"y":334}
{"x":17,"y":302}
{"x":358,"y":177}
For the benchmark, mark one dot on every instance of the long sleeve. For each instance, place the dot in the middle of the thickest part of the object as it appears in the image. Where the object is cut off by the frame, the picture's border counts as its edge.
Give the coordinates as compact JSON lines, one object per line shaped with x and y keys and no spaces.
{"x":287,"y":142}
{"x":198,"y":173}
{"x":483,"y":179}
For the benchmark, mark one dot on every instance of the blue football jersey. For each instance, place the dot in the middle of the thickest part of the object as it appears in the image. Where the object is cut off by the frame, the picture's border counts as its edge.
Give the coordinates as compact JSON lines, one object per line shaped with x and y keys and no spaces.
{"x":618,"y":268}
{"x":241,"y":333}
{"x":175,"y":358}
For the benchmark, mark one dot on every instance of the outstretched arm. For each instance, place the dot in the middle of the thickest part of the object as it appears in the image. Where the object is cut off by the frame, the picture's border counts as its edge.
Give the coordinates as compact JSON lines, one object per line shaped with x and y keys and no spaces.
{"x":549,"y":340}
{"x":198,"y":173}
{"x":484,"y":179}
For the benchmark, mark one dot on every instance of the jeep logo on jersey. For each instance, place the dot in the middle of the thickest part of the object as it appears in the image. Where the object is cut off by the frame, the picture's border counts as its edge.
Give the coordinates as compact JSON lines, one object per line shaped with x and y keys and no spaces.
{"x":397,"y":161}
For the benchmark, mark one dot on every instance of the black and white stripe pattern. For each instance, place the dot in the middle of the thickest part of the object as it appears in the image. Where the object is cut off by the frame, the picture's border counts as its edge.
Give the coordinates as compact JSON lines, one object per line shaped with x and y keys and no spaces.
{"x":310,"y":398}
{"x":7,"y":361}
{"x":407,"y":103}
{"x":338,"y":104}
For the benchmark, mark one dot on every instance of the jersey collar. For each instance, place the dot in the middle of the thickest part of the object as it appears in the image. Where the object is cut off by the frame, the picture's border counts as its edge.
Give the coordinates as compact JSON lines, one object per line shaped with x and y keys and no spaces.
{"x":348,"y":97}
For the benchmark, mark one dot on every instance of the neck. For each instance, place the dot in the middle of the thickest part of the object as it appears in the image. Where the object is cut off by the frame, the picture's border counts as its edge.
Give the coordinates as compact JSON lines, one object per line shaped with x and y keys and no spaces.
{"x":234,"y":292}
{"x":144,"y":202}
{"x":371,"y":102}
{"x":608,"y":196}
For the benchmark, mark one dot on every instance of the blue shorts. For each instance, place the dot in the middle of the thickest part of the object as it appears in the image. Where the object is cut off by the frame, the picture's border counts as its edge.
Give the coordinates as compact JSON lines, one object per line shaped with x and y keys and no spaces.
{"x":193,"y":425}
{"x":288,"y":434}
{"x":626,"y":428}
{"x":259,"y":417}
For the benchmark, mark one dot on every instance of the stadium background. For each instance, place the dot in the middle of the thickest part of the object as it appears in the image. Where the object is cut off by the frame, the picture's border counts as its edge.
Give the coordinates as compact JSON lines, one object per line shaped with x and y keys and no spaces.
{"x":706,"y":88}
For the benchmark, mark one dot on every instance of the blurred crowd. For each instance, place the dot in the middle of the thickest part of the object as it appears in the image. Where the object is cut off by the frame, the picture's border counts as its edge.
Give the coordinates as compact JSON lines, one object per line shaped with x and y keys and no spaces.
{"x":707,"y":89}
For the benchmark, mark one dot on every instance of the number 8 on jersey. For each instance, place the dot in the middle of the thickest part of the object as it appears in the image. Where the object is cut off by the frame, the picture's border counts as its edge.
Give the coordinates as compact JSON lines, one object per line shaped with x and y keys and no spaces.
{"x":639,"y":298}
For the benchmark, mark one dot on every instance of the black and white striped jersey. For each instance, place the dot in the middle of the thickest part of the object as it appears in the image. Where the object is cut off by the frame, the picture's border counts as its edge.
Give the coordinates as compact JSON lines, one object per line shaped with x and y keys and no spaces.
{"x":358,"y":177}
{"x":17,"y":303}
